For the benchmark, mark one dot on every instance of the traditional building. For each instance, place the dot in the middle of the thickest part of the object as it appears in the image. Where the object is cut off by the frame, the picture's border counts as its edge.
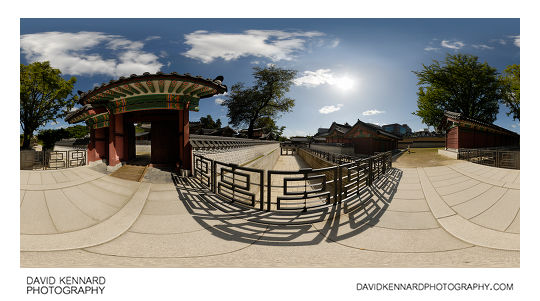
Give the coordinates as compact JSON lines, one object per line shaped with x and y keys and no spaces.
{"x":165,"y":100}
{"x":336,"y":133}
{"x":464,"y":132}
{"x":368,"y":139}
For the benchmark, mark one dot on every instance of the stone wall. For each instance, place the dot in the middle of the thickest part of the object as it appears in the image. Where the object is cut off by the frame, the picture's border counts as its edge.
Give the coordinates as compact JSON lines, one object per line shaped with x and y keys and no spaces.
{"x":312,"y":160}
{"x":346,"y":150}
{"x":249,"y":156}
{"x":262,"y":157}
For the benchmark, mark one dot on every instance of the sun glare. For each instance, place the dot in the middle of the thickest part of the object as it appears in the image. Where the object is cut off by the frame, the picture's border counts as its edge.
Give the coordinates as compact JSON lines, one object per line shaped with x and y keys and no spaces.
{"x":345,"y":83}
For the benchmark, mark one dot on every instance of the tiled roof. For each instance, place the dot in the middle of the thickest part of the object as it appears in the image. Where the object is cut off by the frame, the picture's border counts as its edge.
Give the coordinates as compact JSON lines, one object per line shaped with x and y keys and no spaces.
{"x":458,"y":116}
{"x":215,"y":83}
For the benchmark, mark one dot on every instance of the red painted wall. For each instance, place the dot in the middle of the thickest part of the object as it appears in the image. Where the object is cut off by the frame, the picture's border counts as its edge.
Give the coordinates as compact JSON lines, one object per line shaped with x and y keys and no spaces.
{"x":97,"y":148}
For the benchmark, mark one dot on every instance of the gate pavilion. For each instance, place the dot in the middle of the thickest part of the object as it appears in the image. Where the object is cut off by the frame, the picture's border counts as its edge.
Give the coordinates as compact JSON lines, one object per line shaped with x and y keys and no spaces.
{"x":110,"y":111}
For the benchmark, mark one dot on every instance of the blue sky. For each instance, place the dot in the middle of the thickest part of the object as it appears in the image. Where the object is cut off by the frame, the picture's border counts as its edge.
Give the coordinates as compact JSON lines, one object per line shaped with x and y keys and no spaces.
{"x":348,"y":69}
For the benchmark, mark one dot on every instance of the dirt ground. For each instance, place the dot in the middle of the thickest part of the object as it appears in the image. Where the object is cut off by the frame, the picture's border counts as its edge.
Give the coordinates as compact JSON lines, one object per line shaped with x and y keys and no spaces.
{"x":422,"y":157}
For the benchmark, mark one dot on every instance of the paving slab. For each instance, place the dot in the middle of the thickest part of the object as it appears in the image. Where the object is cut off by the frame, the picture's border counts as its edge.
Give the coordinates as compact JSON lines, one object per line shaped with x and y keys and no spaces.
{"x":70,"y":175}
{"x":322,"y":255}
{"x":163,"y":195}
{"x":446,"y":190}
{"x":34,"y":179}
{"x":478,"y":235}
{"x":22,"y":193}
{"x":450,"y":182}
{"x":430,"y":240}
{"x":465,"y":194}
{"x":481,"y":203}
{"x":47,"y":178}
{"x":24,"y":177}
{"x":65,"y":215}
{"x":192,"y":244}
{"x":172,"y":223}
{"x":91,"y":206}
{"x":502,"y":213}
{"x":121,"y":182}
{"x":438,"y":206}
{"x":110,"y":198}
{"x":60,"y":177}
{"x":419,"y":205}
{"x":35,"y":218}
{"x":410,"y":186}
{"x":409,"y":194}
{"x":406,"y":220}
{"x":514,"y":227}
{"x":95,"y":235}
{"x":112,"y":187}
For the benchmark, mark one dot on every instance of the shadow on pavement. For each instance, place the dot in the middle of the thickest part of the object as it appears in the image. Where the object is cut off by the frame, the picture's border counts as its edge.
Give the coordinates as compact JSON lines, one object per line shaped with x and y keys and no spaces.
{"x":340,"y":221}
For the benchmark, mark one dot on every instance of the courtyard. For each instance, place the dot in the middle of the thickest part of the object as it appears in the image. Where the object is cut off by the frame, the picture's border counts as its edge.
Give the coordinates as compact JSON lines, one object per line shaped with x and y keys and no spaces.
{"x":427,"y":211}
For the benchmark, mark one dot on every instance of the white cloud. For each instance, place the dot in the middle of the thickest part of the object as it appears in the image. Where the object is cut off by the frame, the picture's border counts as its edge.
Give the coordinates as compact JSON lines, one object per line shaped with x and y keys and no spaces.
{"x":275,"y":45}
{"x":315,"y":78}
{"x":452,"y":45}
{"x":482,"y":47}
{"x":514,"y":126}
{"x":500,"y":41}
{"x":516,"y":40}
{"x":330,"y":109}
{"x":430,"y":48}
{"x":150,"y":38}
{"x":76,"y":53}
{"x":335,"y":43}
{"x":219,"y":101}
{"x":372,"y":112}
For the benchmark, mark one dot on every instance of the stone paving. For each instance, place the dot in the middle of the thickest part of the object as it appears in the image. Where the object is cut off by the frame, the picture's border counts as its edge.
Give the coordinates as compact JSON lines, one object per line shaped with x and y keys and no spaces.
{"x":458,"y":215}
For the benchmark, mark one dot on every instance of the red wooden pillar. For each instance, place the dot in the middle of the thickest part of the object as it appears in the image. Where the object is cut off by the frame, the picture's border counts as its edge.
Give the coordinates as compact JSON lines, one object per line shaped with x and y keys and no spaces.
{"x":113,"y":154}
{"x":119,"y":136}
{"x":91,"y":153}
{"x":184,"y":150}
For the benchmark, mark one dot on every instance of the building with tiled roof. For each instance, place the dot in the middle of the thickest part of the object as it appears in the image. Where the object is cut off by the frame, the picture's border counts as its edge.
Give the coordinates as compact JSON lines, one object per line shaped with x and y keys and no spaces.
{"x":465,"y":132}
{"x":111,"y":109}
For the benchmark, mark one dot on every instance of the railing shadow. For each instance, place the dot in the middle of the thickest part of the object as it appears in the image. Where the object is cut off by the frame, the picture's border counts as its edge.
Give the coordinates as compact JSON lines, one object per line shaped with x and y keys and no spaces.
{"x":334,"y":222}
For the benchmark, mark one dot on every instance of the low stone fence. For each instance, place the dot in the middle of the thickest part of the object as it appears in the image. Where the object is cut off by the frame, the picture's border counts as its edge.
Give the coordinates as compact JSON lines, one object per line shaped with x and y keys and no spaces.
{"x":47,"y":159}
{"x":336,"y":149}
{"x":495,"y":157}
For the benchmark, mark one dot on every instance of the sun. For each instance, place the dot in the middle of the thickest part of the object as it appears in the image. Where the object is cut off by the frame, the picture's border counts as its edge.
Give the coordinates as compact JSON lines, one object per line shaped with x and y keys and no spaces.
{"x":345,"y":83}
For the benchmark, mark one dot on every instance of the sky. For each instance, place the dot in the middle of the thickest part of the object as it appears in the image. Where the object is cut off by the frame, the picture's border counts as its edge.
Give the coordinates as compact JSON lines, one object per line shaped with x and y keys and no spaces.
{"x":348,"y":69}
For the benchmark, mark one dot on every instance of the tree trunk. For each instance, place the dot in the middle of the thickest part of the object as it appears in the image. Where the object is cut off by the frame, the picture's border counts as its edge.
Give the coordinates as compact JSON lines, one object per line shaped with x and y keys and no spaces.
{"x":26,"y":139}
{"x":250,"y":130}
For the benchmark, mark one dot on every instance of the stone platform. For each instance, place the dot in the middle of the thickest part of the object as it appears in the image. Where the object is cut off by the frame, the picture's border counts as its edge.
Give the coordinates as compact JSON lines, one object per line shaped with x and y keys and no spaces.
{"x":458,"y":215}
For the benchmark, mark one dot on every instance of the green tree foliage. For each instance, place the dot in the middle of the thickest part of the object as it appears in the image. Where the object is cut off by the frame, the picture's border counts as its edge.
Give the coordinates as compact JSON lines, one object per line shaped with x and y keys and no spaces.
{"x":269,"y":127}
{"x":460,"y":84}
{"x":45,"y":96}
{"x":51,"y":136}
{"x":265,"y":99}
{"x":77,"y":131}
{"x":209,"y":123}
{"x":510,"y":82}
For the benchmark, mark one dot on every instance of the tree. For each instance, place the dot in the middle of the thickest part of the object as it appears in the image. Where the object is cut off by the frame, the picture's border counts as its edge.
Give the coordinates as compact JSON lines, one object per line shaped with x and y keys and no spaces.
{"x":461,"y":84}
{"x":77,"y":131}
{"x":45,"y":96}
{"x":269,"y":127}
{"x":209,"y":123}
{"x":51,"y":136}
{"x":265,"y":99}
{"x":510,"y":82}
